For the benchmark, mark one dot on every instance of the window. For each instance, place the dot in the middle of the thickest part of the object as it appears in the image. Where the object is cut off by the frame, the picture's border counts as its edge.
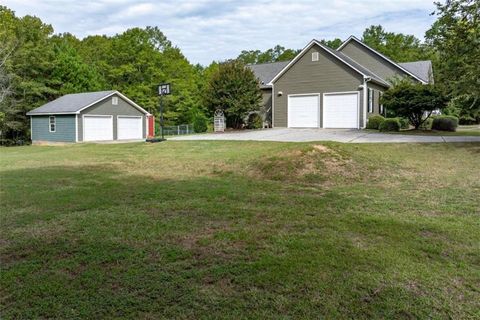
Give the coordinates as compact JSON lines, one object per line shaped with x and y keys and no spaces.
{"x":115,"y":101}
{"x":314,"y":56}
{"x":370,"y":100}
{"x":52,"y":124}
{"x":381,"y":104}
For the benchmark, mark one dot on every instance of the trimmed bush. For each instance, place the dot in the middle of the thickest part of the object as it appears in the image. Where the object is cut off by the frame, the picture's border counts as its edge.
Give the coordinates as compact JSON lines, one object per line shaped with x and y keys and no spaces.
{"x":375,"y":121}
{"x":445,"y":123}
{"x":404,"y":123}
{"x":200,"y":123}
{"x":254,"y":121}
{"x":427,"y":125}
{"x":390,"y":124}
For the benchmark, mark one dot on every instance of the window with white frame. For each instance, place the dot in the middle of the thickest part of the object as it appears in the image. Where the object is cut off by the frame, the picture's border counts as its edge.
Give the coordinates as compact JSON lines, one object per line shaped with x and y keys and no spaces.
{"x":370,"y":100}
{"x":52,"y":124}
{"x":115,"y":101}
{"x":314,"y":56}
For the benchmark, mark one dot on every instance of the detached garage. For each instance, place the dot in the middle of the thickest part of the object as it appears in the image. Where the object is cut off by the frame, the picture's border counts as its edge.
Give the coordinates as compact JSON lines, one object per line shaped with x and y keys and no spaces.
{"x":90,"y":116}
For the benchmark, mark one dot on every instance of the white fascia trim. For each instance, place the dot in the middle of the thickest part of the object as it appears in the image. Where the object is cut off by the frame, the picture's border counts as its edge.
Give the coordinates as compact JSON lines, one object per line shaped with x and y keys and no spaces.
{"x":381,"y":55}
{"x":111,"y":94}
{"x":304,"y":50}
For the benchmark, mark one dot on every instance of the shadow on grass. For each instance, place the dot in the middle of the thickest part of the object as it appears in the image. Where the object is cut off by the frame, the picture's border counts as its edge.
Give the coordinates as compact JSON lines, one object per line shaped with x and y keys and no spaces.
{"x":92,"y":242}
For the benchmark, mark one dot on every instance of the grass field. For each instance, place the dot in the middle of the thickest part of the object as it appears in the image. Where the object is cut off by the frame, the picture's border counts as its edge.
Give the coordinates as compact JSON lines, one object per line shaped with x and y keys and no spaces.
{"x":197,"y":230}
{"x":472,"y":130}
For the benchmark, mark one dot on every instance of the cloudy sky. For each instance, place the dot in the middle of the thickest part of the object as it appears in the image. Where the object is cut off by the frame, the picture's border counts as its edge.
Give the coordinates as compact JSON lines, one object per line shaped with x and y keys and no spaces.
{"x":207,"y":30}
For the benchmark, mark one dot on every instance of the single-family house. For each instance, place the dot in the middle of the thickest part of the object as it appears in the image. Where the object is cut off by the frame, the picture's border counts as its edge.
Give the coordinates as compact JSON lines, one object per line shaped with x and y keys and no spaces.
{"x":326,"y":88}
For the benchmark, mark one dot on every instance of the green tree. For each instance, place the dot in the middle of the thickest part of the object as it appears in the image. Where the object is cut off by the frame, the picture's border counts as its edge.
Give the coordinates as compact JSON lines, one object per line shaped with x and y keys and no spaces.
{"x":334,"y":44}
{"x":413,"y":101}
{"x":456,"y":37}
{"x":275,"y":54}
{"x":397,"y":46}
{"x":233,"y":89}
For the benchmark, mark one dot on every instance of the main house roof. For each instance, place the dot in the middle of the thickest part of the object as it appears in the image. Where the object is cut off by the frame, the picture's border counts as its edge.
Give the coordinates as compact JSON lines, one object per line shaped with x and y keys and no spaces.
{"x":267,"y":73}
{"x":76,"y":102}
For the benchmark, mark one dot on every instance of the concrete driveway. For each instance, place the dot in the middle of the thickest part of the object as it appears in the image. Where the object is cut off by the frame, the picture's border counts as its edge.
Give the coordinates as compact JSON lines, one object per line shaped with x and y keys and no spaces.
{"x":306,"y":135}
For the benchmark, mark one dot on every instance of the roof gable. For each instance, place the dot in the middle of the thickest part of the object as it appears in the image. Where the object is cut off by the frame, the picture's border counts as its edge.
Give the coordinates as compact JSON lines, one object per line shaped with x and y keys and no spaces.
{"x":383,"y":57}
{"x":339,"y":56}
{"x":77,"y":102}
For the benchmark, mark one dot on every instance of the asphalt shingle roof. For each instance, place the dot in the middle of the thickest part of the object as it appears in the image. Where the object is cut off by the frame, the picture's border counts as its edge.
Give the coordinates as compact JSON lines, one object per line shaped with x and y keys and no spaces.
{"x":70,"y":103}
{"x":265,"y":72}
{"x":421,"y":69}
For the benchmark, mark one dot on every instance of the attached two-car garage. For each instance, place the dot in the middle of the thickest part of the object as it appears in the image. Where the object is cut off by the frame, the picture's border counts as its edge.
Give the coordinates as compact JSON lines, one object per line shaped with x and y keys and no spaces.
{"x":339,"y":110}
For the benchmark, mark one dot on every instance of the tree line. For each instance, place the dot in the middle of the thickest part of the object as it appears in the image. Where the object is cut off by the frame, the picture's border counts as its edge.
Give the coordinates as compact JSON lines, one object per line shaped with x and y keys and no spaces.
{"x":37,"y":66}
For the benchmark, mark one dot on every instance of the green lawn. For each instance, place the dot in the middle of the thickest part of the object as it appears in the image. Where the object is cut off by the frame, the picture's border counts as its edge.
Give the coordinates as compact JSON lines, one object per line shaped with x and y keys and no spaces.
{"x":473,"y":130}
{"x":262,"y":230}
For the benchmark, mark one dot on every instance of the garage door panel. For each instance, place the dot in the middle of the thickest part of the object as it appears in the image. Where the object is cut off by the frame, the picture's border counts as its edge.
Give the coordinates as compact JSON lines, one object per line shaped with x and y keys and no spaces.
{"x":340,"y":110}
{"x":303,"y":111}
{"x":97,"y":128}
{"x":129,"y":128}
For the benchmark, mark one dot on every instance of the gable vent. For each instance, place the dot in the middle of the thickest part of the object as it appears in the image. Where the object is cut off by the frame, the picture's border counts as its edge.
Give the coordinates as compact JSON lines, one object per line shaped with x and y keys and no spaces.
{"x":115,"y":101}
{"x":314,"y":56}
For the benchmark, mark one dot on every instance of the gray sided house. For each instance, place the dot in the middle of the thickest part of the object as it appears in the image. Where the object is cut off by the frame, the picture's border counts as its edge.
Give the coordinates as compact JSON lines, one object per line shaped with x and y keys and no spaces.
{"x":90,"y":116}
{"x":326,"y":88}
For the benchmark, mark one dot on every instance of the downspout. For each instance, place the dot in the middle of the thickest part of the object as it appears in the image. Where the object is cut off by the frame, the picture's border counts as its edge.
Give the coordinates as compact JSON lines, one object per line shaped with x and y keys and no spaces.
{"x":365,"y":100}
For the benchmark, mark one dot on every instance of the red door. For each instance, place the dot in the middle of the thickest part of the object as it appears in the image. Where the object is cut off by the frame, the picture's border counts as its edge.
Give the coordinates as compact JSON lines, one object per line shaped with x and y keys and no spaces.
{"x":151,"y":126}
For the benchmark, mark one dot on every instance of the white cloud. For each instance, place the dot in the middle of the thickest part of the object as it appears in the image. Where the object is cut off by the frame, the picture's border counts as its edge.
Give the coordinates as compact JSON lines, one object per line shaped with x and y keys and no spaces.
{"x":209,"y":30}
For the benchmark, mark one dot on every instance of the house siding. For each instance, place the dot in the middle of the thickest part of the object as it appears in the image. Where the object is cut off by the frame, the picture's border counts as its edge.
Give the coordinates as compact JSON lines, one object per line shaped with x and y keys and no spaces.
{"x":376,"y":99}
{"x":105,"y":107}
{"x":267,"y":103}
{"x":64,"y":129}
{"x":328,"y":74}
{"x":372,"y":61}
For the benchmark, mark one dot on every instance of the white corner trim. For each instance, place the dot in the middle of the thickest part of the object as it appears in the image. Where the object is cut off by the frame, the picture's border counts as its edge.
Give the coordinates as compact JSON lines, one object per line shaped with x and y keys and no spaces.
{"x":380,"y":55}
{"x":31,"y":128}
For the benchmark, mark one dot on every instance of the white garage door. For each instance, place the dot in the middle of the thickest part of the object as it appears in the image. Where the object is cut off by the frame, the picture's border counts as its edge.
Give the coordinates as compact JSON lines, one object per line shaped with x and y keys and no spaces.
{"x":129,"y":128}
{"x":97,"y":128}
{"x":303,"y":111}
{"x":340,"y":110}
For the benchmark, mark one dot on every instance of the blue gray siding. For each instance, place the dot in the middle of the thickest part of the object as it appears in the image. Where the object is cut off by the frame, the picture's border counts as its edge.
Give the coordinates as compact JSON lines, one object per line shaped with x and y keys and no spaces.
{"x":65,"y":128}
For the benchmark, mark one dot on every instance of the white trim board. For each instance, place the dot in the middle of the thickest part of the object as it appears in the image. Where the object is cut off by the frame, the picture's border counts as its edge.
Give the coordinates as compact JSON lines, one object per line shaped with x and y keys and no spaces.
{"x":380,"y":55}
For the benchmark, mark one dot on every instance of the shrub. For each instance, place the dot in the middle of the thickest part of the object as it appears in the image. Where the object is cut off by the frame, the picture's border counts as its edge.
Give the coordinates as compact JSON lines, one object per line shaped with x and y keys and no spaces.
{"x":390,"y":124}
{"x":404,"y":123}
{"x":427,"y":124}
{"x":374,"y":122}
{"x":254,"y":121}
{"x":409,"y":100}
{"x":200,"y":123}
{"x":445,"y":123}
